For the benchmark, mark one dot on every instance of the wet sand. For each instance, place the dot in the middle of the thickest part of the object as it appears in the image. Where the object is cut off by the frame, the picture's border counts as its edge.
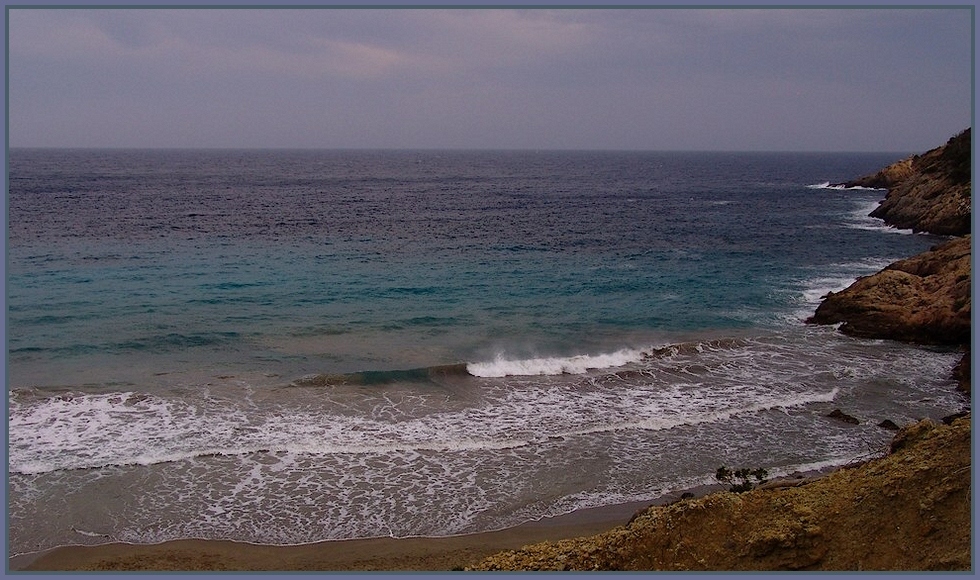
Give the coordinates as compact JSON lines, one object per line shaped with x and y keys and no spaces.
{"x":378,"y":554}
{"x":374,"y":554}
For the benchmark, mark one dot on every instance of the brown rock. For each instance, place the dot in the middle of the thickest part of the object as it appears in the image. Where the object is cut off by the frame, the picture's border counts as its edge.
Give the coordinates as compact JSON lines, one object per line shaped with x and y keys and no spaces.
{"x":929,"y":192}
{"x":911,"y":433}
{"x":949,"y":419}
{"x":924,"y":299}
{"x":886,"y":178}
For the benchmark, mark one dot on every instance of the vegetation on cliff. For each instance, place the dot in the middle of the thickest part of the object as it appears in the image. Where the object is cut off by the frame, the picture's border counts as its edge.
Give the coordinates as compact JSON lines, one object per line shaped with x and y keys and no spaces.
{"x":928,"y":192}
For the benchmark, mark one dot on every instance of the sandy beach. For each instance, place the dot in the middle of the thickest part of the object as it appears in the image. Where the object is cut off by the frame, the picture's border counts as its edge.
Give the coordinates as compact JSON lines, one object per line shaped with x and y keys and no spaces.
{"x":377,"y":554}
{"x":806,"y":521}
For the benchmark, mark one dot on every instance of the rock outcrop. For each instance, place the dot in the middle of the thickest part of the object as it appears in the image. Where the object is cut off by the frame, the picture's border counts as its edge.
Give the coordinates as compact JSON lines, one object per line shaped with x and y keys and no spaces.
{"x":842,"y":416}
{"x":887,"y":178}
{"x":924,"y":299}
{"x":928,"y":192}
{"x":909,"y":510}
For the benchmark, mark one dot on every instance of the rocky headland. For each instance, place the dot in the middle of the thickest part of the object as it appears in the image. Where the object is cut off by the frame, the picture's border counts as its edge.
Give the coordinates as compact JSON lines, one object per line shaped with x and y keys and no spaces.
{"x":929,"y":192}
{"x":925,"y":299}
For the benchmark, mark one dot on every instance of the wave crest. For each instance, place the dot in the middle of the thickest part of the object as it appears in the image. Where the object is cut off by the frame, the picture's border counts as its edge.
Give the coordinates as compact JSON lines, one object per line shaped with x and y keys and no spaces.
{"x":573,"y":365}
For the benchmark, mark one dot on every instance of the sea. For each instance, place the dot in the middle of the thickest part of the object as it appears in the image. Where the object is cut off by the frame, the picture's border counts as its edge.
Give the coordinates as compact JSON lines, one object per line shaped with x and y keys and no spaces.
{"x":290,"y":346}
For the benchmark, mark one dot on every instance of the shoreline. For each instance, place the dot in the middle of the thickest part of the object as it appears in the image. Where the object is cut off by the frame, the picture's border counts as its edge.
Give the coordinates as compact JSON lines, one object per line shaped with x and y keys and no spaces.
{"x":457,"y":552}
{"x":374,"y":554}
{"x":445,"y":553}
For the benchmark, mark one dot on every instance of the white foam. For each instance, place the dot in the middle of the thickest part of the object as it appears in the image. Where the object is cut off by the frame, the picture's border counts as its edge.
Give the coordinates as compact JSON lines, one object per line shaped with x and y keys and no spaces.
{"x":90,"y":534}
{"x":96,"y":430}
{"x":504,"y":367}
{"x":92,"y":431}
{"x":520,"y":448}
{"x":838,"y":277}
{"x":861,"y":219}
{"x":694,"y":386}
{"x":817,"y":288}
{"x":659,"y":423}
{"x":842,"y":187}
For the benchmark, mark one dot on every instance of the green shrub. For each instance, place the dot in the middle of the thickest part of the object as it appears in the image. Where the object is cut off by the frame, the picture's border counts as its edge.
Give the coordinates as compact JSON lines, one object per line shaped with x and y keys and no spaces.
{"x":740,"y":480}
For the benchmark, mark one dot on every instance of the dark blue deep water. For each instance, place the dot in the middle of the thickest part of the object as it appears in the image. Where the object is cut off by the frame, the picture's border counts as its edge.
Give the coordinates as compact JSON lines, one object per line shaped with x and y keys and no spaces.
{"x":292,"y":346}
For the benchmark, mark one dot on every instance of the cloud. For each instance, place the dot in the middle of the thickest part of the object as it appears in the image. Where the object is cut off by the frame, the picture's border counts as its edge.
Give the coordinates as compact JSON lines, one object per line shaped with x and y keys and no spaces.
{"x":203,"y":42}
{"x":638,"y":78}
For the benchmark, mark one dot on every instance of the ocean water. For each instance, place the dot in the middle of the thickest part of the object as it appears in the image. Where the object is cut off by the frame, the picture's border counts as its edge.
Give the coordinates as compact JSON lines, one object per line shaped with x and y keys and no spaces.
{"x":284,"y":347}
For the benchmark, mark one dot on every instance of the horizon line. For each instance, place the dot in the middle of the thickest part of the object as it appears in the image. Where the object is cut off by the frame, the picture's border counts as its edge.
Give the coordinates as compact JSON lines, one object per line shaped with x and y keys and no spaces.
{"x":436,"y":149}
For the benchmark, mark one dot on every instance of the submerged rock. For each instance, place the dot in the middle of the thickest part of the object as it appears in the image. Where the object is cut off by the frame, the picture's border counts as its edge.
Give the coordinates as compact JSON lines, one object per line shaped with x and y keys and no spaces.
{"x":949,"y":419}
{"x":842,"y":416}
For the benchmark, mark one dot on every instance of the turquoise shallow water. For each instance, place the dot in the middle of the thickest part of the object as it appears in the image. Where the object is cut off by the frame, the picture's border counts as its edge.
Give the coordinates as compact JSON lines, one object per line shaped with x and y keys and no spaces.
{"x":290,"y":346}
{"x":250,"y":257}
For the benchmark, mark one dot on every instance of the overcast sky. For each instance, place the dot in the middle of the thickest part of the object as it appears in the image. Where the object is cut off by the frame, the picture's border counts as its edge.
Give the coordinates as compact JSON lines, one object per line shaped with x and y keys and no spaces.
{"x":653,"y":79}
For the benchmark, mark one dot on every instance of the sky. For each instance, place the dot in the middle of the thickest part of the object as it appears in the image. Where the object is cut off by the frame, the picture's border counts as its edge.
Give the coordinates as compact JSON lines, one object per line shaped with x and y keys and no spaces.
{"x":833,"y":79}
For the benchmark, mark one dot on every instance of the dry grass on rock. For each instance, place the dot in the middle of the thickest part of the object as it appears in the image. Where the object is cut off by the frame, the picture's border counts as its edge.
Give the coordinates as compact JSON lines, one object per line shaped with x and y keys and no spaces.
{"x":909,"y":510}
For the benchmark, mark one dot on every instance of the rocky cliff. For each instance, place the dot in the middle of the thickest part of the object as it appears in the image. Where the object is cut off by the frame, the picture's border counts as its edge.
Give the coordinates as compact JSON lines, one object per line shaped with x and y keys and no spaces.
{"x":924,"y":299}
{"x":909,"y":510}
{"x":928,"y":192}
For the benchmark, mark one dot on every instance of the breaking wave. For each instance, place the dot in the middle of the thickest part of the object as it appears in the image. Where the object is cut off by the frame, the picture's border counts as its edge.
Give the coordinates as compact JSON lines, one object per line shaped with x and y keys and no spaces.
{"x":842,"y":187}
{"x":573,"y":365}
